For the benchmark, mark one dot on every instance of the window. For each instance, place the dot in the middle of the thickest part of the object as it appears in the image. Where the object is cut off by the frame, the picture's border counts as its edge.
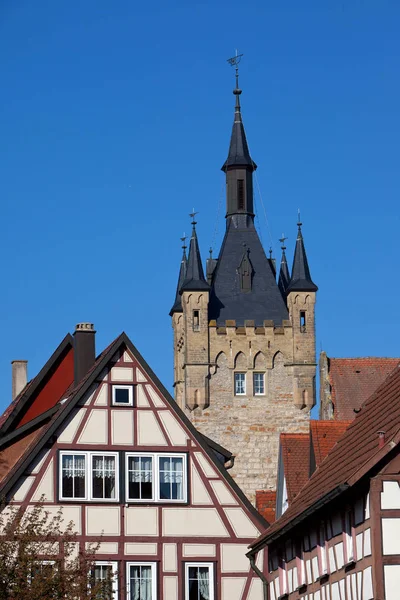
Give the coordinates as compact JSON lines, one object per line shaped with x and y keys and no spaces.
{"x":240,"y":384}
{"x":196,"y":320}
{"x":156,"y":477}
{"x":77,"y":482}
{"x":302,"y":321}
{"x":258,"y":384}
{"x":141,"y":580}
{"x":122,"y":395}
{"x":73,"y":476}
{"x":103,"y":476}
{"x":105,"y":580}
{"x":140,"y":477}
{"x":240,"y":193}
{"x":348,"y":538}
{"x":199,"y":581}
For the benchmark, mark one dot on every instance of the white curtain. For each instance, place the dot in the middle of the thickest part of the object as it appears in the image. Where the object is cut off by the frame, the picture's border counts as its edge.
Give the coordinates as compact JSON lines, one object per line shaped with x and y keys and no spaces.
{"x":103,"y":466}
{"x":171,"y":472}
{"x":73,"y":466}
{"x":140,"y":583}
{"x":141,"y":469}
{"x":204,"y":584}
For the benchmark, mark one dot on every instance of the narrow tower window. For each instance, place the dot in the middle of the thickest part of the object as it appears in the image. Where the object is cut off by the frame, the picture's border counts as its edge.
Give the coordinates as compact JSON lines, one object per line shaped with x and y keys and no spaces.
{"x":302,"y":321}
{"x":240,"y":193}
{"x":196,"y":320}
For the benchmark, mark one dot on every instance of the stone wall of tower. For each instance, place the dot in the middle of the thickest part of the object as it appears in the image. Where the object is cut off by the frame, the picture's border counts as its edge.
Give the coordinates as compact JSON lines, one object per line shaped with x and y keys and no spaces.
{"x":249,"y":425}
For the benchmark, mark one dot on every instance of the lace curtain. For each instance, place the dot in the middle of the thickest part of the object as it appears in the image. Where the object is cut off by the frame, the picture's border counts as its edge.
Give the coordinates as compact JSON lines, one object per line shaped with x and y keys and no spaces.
{"x":74,"y":466}
{"x":140,"y":583}
{"x":103,"y":466}
{"x":141,"y":469}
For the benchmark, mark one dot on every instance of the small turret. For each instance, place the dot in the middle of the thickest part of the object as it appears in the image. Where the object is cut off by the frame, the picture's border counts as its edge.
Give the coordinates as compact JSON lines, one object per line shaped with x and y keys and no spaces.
{"x":177,"y":306}
{"x":301,"y":278}
{"x":284,"y":275}
{"x":194,"y":279}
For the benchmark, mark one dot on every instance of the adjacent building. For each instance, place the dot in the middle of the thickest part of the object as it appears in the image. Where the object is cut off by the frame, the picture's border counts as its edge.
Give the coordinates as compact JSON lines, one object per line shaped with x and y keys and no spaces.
{"x":339,"y":538}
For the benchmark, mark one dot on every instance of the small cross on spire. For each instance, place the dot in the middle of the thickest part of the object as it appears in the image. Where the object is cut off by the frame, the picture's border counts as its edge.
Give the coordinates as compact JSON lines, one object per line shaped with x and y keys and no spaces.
{"x":183,"y":240}
{"x":299,"y":223}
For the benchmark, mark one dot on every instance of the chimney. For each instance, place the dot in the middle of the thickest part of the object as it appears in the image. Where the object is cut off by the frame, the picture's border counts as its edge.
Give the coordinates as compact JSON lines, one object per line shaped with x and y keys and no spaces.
{"x":84,"y":350}
{"x":19,"y":370}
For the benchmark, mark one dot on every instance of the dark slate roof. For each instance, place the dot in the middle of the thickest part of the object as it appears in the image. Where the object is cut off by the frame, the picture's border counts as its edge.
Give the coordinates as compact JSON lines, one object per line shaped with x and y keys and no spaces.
{"x":301,"y":279}
{"x":238,"y":154}
{"x":194,"y":279}
{"x":177,"y":306}
{"x":284,"y":275}
{"x":264,"y":301}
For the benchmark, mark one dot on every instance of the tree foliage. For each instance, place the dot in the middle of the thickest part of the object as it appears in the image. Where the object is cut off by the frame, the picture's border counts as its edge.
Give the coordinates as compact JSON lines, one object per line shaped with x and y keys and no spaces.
{"x":41,"y":558}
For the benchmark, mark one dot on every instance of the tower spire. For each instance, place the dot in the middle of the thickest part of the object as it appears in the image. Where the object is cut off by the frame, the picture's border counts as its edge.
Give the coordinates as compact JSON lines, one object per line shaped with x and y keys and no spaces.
{"x":194,"y":278}
{"x":177,"y":306}
{"x":284,"y":275}
{"x":301,"y":278}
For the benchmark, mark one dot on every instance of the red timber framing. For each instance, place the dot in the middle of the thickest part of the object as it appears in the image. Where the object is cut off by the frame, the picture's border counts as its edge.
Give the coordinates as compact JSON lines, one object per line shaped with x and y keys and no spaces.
{"x":197,"y":520}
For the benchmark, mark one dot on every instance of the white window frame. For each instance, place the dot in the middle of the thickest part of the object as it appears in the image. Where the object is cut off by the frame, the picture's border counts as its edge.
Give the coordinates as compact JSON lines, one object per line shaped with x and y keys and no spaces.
{"x":88,"y":475}
{"x":53,"y":563}
{"x":153,"y":566}
{"x":234,"y":380}
{"x":210,"y":566}
{"x":156,"y":478}
{"x":263,"y":381}
{"x":114,"y":566}
{"x":122,"y":387}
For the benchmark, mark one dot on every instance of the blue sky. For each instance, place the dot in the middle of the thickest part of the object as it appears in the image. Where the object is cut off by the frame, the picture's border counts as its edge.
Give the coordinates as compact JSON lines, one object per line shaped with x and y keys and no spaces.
{"x":115,"y":120}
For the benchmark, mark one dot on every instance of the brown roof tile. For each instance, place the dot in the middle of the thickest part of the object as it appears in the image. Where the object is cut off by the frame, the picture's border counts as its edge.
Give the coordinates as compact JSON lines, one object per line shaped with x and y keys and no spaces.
{"x":353,"y":455}
{"x":324,"y":435}
{"x":296,"y":461}
{"x":353,"y":380}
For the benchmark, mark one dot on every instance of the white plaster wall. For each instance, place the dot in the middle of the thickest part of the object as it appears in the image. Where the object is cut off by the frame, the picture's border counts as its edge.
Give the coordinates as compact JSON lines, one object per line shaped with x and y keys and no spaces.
{"x":175,"y":432}
{"x":198,"y":550}
{"x":234,"y":559}
{"x":95,"y":428}
{"x":141,"y":520}
{"x":46,"y":485}
{"x":223,"y":494}
{"x":232,"y":588}
{"x":241,"y":523}
{"x":122,"y":427}
{"x":149,"y":431}
{"x":390,"y":497}
{"x":391,"y":536}
{"x":392,"y":582}
{"x":200,"y":522}
{"x":102,"y":520}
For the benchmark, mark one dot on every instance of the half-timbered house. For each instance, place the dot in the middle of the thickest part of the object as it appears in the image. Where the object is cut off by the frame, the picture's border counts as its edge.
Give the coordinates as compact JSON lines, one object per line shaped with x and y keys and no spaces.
{"x":339,"y":539}
{"x":112,"y":448}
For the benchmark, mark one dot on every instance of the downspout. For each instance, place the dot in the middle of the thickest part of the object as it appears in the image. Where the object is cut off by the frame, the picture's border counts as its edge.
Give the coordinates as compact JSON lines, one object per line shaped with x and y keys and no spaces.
{"x":260,"y":574}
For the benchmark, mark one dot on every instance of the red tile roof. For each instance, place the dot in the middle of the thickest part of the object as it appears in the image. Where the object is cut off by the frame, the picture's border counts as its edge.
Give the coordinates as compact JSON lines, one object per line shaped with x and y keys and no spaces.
{"x":353,"y":456}
{"x":296,"y":461}
{"x":324,"y":435}
{"x":265,"y":504}
{"x":353,"y":380}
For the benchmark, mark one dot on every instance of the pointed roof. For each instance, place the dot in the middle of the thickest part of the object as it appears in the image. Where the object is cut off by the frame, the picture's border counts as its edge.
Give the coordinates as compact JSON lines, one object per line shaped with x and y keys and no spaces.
{"x":238,"y":155}
{"x":284,"y":275}
{"x":228,"y":300}
{"x":42,"y":436}
{"x":194,"y":279}
{"x":301,"y":279}
{"x":177,"y":306}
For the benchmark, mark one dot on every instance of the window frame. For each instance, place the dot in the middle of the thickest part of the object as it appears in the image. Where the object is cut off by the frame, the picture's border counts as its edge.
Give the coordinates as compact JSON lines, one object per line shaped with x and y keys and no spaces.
{"x":139,"y":563}
{"x":88,"y":475}
{"x":156,"y":478}
{"x":211,"y":571}
{"x":118,"y":386}
{"x":263,"y":383}
{"x":234,"y":383}
{"x":114,"y":565}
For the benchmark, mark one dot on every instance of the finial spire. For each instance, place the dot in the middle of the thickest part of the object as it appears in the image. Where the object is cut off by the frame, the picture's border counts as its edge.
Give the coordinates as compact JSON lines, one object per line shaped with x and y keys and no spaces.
{"x":192,"y":215}
{"x":284,"y":276}
{"x":299,"y":223}
{"x":177,"y":306}
{"x":301,"y":278}
{"x":194,"y":278}
{"x":234,"y":61}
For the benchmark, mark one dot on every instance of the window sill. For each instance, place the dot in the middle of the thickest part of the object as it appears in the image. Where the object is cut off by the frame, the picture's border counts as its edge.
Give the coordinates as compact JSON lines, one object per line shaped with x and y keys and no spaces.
{"x":323,"y":578}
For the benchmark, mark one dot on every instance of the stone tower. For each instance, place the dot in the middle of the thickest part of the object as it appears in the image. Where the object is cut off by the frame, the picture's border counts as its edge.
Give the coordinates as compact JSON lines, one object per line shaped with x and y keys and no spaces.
{"x":244,"y":345}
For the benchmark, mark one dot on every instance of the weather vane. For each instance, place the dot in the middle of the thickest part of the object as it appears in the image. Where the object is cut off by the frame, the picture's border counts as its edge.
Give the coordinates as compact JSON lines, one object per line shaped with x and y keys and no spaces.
{"x":282,"y":241}
{"x":234,"y":62}
{"x":183,"y":240}
{"x":193,"y":214}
